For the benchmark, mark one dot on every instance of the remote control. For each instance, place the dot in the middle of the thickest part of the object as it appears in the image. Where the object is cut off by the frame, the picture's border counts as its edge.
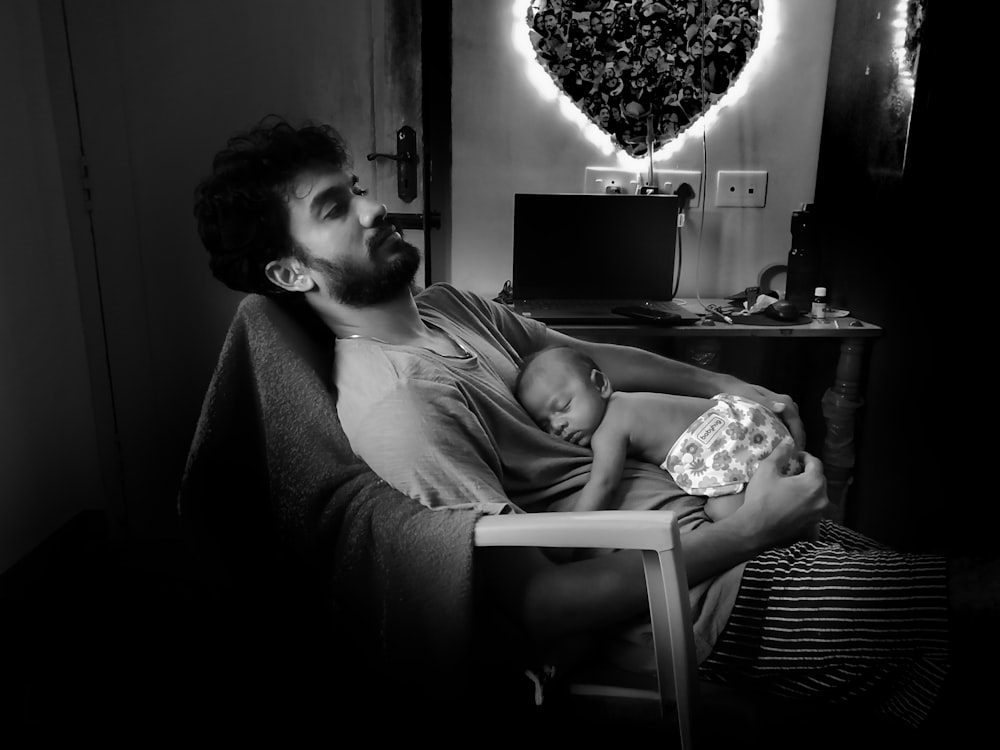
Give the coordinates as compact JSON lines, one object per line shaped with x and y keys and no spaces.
{"x":648,"y":314}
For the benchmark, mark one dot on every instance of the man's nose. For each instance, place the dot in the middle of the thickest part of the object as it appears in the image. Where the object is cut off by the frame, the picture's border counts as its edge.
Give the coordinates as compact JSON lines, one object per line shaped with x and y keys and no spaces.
{"x":371,"y":211}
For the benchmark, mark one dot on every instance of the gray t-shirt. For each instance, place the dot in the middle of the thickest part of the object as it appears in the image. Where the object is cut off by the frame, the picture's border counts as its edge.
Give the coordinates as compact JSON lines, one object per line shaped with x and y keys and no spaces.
{"x":449,"y":432}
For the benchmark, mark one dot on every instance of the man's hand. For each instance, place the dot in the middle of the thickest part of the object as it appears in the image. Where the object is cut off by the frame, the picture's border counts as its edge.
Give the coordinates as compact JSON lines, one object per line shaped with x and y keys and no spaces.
{"x":780,"y":403}
{"x":779,"y":509}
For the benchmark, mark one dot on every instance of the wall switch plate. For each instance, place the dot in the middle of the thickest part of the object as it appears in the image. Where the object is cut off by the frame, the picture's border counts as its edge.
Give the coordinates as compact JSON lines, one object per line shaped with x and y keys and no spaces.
{"x":737,"y":188}
{"x":668,"y":180}
{"x":610,"y":180}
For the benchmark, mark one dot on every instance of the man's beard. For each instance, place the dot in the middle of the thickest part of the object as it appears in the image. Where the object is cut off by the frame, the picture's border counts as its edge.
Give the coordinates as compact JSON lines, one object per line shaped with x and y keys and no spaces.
{"x":361,"y":283}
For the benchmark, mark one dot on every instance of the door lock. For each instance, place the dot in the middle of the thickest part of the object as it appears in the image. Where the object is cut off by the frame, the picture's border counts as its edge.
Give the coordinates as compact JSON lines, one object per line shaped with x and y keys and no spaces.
{"x":406,"y":163}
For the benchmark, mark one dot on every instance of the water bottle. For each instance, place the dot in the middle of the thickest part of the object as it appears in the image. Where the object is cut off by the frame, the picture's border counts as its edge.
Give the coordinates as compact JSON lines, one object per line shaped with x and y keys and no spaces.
{"x":803,"y":260}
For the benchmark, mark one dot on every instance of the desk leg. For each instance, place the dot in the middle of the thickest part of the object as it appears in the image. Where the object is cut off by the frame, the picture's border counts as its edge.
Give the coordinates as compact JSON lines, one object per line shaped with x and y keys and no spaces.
{"x":839,"y":405}
{"x":703,"y":352}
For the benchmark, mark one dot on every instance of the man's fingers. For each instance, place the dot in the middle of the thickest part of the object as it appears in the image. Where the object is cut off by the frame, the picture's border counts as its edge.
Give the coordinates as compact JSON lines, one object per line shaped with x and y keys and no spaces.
{"x":789,"y":412}
{"x":810,"y":463}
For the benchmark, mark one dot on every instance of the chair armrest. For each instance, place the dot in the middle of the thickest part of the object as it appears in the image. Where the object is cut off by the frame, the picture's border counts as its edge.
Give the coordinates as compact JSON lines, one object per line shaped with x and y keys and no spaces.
{"x":656,"y":535}
{"x":654,"y":530}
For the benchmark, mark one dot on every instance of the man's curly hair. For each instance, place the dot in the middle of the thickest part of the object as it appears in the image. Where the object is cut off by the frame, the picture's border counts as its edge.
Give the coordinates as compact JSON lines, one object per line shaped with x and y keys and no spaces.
{"x":241,"y":206}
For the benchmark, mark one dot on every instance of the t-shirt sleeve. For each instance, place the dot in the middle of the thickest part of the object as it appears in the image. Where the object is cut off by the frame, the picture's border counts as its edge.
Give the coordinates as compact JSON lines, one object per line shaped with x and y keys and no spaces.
{"x":421,"y":437}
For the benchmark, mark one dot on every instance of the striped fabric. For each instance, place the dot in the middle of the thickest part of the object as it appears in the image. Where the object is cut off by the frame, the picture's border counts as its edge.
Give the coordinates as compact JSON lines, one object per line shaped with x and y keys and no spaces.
{"x":842,"y":618}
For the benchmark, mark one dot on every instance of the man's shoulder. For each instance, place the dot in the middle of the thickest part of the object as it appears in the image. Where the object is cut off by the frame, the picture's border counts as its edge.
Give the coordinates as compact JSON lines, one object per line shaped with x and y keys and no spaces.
{"x":443,"y":292}
{"x":452,"y":301}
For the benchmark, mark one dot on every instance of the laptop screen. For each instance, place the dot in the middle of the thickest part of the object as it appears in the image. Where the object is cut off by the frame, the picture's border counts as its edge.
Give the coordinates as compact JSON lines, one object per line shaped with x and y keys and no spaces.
{"x":594,"y":246}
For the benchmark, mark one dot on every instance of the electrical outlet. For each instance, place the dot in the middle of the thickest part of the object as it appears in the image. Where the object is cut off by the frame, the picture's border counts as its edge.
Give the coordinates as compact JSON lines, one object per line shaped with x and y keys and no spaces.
{"x":736,"y":188}
{"x":610,"y":180}
{"x":668,"y":180}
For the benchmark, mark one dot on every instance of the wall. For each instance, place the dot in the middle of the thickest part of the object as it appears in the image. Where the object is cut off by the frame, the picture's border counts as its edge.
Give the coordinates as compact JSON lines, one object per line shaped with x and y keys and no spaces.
{"x":507,"y":140}
{"x":48,"y":455}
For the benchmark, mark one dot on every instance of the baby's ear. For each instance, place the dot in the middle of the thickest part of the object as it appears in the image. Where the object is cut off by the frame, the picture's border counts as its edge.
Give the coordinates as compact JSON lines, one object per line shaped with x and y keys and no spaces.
{"x":601,"y":383}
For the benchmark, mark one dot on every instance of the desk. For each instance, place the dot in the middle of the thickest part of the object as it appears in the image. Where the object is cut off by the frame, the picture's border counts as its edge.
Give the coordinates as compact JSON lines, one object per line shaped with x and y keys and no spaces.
{"x":840,"y":401}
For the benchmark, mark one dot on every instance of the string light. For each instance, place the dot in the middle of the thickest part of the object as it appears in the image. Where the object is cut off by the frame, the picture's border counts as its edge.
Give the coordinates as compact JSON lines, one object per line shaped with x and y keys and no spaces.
{"x":900,"y":24}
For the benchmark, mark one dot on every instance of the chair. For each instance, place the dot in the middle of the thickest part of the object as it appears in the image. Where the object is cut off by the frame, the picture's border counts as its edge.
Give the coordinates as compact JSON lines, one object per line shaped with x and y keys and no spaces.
{"x":273,"y":493}
{"x":656,"y":534}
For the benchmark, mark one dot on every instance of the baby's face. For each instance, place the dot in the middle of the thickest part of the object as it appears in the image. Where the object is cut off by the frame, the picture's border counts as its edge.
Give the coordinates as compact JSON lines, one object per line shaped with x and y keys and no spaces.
{"x":563,"y":403}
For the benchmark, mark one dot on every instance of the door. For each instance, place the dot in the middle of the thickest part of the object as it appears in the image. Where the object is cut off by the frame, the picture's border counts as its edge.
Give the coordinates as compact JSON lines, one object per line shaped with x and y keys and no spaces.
{"x":159,"y":86}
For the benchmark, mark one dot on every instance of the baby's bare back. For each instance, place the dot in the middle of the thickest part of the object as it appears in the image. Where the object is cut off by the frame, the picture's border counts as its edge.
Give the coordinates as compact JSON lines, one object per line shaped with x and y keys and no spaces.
{"x":654,"y":421}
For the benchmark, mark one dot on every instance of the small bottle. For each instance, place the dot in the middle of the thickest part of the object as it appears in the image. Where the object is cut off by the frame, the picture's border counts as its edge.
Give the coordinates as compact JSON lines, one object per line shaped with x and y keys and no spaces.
{"x":819,"y":303}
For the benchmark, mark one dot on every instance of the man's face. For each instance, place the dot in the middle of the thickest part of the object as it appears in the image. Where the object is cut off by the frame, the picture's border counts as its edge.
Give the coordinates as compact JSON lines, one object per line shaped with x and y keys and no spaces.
{"x":356,"y":257}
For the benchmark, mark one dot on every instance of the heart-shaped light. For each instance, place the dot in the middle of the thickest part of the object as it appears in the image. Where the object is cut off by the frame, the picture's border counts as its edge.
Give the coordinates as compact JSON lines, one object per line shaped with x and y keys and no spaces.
{"x":643,"y":72}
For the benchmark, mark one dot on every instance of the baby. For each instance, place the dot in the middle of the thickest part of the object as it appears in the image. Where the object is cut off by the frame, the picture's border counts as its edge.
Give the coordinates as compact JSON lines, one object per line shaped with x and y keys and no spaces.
{"x":710,"y":446}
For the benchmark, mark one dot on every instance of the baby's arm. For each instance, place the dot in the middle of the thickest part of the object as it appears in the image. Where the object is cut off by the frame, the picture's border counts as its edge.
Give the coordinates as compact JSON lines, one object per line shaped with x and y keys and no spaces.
{"x":606,"y":471}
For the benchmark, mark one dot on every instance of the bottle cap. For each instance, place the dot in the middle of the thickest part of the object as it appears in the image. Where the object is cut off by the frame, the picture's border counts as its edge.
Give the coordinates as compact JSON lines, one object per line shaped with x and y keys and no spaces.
{"x":820,"y":291}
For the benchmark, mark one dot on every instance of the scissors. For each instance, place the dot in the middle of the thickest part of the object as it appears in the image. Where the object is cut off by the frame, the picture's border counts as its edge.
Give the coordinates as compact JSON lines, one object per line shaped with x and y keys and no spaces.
{"x":721,"y":314}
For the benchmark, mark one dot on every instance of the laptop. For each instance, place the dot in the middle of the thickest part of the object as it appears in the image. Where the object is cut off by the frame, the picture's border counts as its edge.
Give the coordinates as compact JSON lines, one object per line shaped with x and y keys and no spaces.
{"x":579,"y":255}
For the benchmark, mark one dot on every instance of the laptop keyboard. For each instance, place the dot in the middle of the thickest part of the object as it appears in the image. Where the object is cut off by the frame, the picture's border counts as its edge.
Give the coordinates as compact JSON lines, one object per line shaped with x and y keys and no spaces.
{"x":598,"y":306}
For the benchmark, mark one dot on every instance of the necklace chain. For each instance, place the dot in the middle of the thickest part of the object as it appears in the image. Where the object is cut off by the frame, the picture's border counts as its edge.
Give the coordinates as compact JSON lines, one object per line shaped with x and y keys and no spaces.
{"x":466,"y":354}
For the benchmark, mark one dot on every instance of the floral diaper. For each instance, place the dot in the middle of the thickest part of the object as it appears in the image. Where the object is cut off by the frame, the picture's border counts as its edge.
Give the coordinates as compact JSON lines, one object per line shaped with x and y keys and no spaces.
{"x":720,"y":451}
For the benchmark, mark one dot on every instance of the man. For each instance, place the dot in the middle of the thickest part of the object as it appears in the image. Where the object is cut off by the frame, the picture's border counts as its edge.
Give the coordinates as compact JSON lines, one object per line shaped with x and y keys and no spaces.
{"x":424,"y":395}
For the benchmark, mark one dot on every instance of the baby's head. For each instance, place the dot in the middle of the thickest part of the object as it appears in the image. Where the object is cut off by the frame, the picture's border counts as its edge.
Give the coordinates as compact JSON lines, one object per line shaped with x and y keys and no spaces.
{"x":563,"y":390}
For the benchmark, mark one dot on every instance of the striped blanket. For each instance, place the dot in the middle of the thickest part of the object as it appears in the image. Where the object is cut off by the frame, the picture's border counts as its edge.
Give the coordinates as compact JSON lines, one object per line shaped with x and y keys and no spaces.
{"x":841,"y":618}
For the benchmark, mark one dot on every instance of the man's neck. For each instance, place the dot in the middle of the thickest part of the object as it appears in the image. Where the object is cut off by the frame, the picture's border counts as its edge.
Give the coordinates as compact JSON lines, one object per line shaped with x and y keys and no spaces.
{"x":396,"y":321}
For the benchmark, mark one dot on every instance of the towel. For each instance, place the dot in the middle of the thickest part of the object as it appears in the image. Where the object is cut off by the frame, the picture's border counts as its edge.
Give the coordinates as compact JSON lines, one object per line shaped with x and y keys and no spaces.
{"x":271,"y":484}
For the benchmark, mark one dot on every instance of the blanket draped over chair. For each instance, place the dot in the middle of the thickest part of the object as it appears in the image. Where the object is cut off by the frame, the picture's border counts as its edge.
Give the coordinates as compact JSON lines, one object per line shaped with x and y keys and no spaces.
{"x":271,"y":477}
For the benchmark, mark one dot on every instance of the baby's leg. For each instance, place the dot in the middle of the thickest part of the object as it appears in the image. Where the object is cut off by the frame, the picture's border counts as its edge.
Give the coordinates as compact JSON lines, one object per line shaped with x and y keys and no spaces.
{"x":795,"y":464}
{"x":718,"y":508}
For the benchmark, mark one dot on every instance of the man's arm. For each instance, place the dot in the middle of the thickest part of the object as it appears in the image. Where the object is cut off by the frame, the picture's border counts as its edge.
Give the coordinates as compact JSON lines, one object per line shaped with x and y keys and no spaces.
{"x":573,"y":598}
{"x":633,"y":369}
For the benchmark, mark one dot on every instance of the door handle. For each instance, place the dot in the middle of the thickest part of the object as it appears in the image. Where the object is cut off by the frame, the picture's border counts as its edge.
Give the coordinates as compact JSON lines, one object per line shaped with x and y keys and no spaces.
{"x":406,"y":163}
{"x":415,"y":221}
{"x":395,"y":157}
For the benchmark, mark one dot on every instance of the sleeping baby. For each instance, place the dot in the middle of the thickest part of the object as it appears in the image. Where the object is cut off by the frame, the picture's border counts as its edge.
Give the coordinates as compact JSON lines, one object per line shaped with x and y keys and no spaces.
{"x":710,"y":446}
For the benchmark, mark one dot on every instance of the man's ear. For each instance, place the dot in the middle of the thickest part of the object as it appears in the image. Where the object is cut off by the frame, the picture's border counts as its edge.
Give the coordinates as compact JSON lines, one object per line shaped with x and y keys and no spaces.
{"x":290,"y":274}
{"x":601,"y":383}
